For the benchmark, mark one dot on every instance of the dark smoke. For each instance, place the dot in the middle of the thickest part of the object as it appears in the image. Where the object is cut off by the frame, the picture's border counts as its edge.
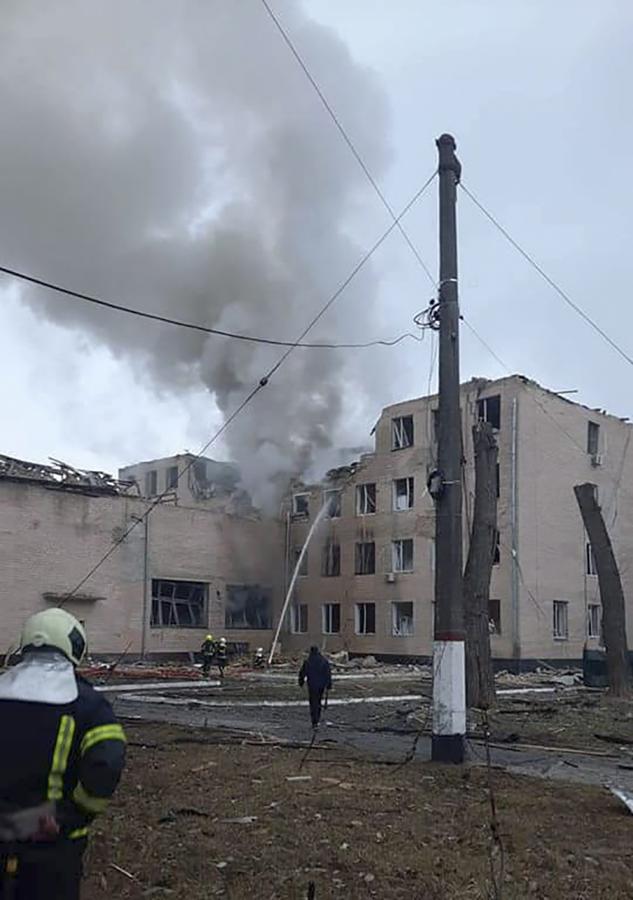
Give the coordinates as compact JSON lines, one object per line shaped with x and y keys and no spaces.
{"x":172,"y":156}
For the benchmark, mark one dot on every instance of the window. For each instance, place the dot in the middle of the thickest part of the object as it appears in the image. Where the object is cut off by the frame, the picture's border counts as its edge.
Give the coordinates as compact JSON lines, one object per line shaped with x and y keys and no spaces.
{"x":296,"y":553}
{"x":494,"y":616}
{"x":489,"y":410}
{"x":331,"y":559}
{"x":178,"y":604}
{"x":301,"y":505}
{"x":496,"y":559}
{"x":593,"y":620}
{"x":593,"y":438}
{"x":560,"y":623}
{"x":365,"y":618}
{"x":403,"y":493}
{"x":590,"y":560}
{"x":402,"y":619}
{"x":151,"y":483}
{"x":498,"y":480}
{"x":171,"y":478}
{"x":402,"y":432}
{"x":200,"y":471}
{"x":299,"y":618}
{"x":402,"y":555}
{"x":248,"y":606}
{"x":332,"y":501}
{"x":365,"y":499}
{"x":365,"y":558}
{"x":331,"y":618}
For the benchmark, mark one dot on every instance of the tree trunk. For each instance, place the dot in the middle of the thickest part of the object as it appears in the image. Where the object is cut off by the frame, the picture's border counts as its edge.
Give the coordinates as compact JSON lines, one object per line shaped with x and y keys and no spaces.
{"x":611,"y":593}
{"x":480,"y":686}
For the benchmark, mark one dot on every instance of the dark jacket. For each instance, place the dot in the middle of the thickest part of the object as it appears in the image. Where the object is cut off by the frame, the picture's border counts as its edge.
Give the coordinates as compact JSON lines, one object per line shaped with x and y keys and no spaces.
{"x":69,"y":754}
{"x":316,"y":670}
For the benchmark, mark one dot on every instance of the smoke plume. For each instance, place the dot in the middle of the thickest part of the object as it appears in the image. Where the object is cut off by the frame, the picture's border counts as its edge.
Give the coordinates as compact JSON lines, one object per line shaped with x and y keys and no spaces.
{"x":172,"y":156}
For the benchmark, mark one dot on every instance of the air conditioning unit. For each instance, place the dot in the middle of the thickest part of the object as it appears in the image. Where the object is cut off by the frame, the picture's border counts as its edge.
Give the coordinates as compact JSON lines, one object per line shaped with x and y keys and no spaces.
{"x":597,"y":459}
{"x":390,"y":577}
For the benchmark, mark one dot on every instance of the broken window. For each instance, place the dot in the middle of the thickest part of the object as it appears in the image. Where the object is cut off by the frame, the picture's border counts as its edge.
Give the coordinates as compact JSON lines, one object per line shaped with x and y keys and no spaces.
{"x":332,"y":502}
{"x":365,"y":558}
{"x":593,"y":620}
{"x":402,"y":555}
{"x":296,"y":553}
{"x":593,"y":438}
{"x":178,"y":604}
{"x":590,"y":560}
{"x":301,"y":505}
{"x":171,"y":478}
{"x":331,"y":559}
{"x":365,"y":499}
{"x":560,"y":625}
{"x":331,"y":618}
{"x":403,"y":493}
{"x":489,"y":410}
{"x":402,"y":619}
{"x":365,"y":618}
{"x":494,"y":616}
{"x":151,"y":483}
{"x":248,"y":606}
{"x":496,"y":559}
{"x":299,"y":618}
{"x":402,"y":432}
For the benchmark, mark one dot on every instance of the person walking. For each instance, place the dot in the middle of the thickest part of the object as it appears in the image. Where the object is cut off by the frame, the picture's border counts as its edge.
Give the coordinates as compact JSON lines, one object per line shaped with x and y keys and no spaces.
{"x":61,"y":757}
{"x":317,"y":672}
{"x":207,"y":651}
{"x":221,"y":656}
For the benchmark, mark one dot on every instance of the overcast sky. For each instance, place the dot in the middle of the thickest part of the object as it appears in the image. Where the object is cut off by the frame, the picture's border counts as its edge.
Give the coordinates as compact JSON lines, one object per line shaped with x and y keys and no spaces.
{"x":537,"y":95}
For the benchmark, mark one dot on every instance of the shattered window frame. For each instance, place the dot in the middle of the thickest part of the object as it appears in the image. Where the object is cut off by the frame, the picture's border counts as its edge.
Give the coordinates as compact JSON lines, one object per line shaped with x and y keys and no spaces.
{"x":248,"y":607}
{"x":179,"y":604}
{"x":402,"y":433}
{"x":365,"y":558}
{"x":489,"y":410}
{"x":402,"y":553}
{"x":331,"y":560}
{"x":332,"y":501}
{"x":331,"y":618}
{"x":366,"y":498}
{"x":560,"y":620}
{"x":594,"y":620}
{"x":365,"y":618}
{"x":171,"y":478}
{"x":408,"y":494}
{"x":299,"y":618}
{"x":151,"y":483}
{"x":402,"y":618}
{"x":299,"y":500}
{"x":593,"y":438}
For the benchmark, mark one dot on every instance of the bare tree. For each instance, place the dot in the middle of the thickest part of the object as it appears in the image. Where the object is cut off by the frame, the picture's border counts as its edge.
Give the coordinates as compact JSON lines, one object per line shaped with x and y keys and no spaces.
{"x":611,"y":593}
{"x":480,"y":686}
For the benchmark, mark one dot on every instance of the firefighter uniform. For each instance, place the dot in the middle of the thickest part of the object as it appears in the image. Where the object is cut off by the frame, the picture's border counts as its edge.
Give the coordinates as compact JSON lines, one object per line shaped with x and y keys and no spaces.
{"x":61,"y":757}
{"x":207,"y":651}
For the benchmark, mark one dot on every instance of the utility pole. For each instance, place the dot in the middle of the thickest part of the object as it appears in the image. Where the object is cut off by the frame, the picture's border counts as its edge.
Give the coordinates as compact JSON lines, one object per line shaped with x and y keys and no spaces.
{"x":449,"y":679}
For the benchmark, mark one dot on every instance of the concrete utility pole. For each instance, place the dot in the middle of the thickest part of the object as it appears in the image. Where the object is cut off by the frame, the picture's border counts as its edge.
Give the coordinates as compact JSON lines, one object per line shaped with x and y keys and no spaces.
{"x":449,"y":681}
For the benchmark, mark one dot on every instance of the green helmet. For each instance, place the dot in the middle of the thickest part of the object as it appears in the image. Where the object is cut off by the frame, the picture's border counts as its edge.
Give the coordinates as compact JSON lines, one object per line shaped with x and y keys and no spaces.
{"x":55,"y":628}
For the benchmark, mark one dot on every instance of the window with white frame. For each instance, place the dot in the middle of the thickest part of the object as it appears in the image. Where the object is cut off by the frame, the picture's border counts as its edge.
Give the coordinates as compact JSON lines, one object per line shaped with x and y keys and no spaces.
{"x":365,"y":499}
{"x":303,"y":568}
{"x":403,"y":493}
{"x":179,"y":604}
{"x":331,"y":567}
{"x":301,"y":504}
{"x":594,"y":620}
{"x":402,"y":555}
{"x":332,"y":503}
{"x":151,"y":483}
{"x":489,"y":410}
{"x":402,"y":619}
{"x":171,"y":478}
{"x":593,"y":438}
{"x":401,"y":432}
{"x":365,"y":618}
{"x":560,"y":622}
{"x":331,"y":618}
{"x":590,"y":560}
{"x":365,"y":558}
{"x":299,"y":618}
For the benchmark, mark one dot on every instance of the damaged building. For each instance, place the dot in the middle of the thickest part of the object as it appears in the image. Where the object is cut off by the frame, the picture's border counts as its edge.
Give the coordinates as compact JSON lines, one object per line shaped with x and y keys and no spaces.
{"x":189,"y":567}
{"x":367,"y":581}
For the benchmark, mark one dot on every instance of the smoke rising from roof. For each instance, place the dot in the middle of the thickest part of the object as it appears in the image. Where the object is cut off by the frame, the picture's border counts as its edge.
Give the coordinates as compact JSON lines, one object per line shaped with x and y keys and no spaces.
{"x":171,"y":156}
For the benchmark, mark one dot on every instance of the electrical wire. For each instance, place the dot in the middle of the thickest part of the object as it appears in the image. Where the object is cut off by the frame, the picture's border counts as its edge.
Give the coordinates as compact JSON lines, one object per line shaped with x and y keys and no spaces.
{"x":253,"y":393}
{"x":335,"y":119}
{"x":578,"y":309}
{"x":166,"y":320}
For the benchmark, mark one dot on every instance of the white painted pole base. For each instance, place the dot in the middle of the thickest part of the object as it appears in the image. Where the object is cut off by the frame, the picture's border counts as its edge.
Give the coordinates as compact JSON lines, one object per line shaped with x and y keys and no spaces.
{"x":449,"y":701}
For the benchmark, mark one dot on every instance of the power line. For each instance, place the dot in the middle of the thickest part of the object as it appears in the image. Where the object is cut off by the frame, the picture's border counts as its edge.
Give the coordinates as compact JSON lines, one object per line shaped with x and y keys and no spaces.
{"x":166,"y":320}
{"x":253,"y":393}
{"x":587,"y":318}
{"x":379,"y":193}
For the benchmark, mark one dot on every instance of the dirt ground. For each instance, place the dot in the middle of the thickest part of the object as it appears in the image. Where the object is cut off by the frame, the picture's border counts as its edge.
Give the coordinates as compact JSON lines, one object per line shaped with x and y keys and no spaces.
{"x":355,"y":828}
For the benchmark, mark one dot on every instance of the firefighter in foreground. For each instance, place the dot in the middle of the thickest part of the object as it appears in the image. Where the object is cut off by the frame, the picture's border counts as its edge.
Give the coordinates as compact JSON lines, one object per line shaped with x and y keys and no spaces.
{"x":61,"y":757}
{"x":316,"y":671}
{"x":207,"y":651}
